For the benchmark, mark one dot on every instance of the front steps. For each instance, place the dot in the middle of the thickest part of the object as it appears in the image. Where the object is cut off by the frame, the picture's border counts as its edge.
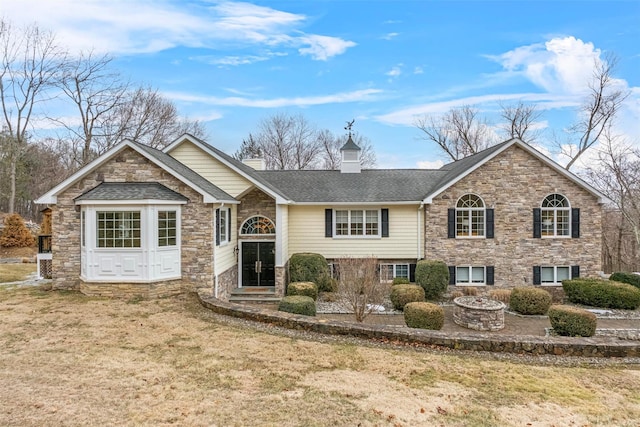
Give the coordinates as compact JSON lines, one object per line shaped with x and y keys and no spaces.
{"x":255,"y":295}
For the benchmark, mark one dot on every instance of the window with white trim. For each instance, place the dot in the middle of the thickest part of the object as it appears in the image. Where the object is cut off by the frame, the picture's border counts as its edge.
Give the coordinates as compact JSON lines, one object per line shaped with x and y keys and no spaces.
{"x":470,"y":218}
{"x":469,"y":275}
{"x":555,"y":216}
{"x":357,"y":222}
{"x":554,"y":275}
{"x":118,"y":229}
{"x":388,"y":272}
{"x":167,"y":228}
{"x":223,"y":218}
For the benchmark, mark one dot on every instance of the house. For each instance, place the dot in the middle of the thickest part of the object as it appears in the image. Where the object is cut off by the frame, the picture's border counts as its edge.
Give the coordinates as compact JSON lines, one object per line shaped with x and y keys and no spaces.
{"x":189,"y":217}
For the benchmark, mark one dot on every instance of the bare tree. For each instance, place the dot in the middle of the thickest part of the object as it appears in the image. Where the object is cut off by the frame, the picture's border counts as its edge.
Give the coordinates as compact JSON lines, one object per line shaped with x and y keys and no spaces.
{"x":520,"y":120}
{"x":598,"y":110}
{"x":145,"y":116}
{"x":330,"y":155}
{"x":288,"y":142}
{"x":460,"y":132}
{"x":617,"y":174}
{"x":96,"y":90}
{"x":359,"y":287}
{"x":249,"y":149}
{"x":29,"y":66}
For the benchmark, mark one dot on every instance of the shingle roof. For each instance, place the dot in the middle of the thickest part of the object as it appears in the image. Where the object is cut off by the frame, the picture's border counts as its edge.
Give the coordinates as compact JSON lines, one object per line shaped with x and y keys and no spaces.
{"x":131,"y":191}
{"x":375,"y":185}
{"x":459,"y":167}
{"x":187,"y":173}
{"x":350,"y":145}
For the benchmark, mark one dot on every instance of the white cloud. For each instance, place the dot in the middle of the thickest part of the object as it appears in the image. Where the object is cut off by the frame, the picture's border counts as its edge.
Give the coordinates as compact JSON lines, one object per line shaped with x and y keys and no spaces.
{"x":427,"y":164}
{"x":322,"y":47}
{"x":145,"y":26}
{"x":418,"y":70}
{"x":395,"y":71}
{"x":561,"y":65}
{"x":390,"y":36}
{"x":406,"y":116}
{"x":337,"y":98}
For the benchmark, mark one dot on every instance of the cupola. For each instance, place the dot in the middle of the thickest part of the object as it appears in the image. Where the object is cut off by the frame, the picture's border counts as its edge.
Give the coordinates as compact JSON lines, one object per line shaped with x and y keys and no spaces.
{"x":350,"y":152}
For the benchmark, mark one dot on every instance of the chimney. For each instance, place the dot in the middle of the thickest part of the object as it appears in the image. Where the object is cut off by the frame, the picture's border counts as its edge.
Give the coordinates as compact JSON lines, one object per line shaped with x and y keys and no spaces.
{"x":255,"y":163}
{"x":350,"y":157}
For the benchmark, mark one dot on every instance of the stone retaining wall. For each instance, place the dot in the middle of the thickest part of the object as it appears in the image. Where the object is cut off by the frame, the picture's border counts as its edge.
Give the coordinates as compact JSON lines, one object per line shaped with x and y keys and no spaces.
{"x":532,"y":345}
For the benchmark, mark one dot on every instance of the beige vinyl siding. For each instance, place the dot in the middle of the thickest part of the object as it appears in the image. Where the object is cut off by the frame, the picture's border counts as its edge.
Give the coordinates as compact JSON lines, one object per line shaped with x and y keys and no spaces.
{"x":225,"y":258}
{"x":210,"y":168}
{"x":306,"y":234}
{"x":282,"y":227}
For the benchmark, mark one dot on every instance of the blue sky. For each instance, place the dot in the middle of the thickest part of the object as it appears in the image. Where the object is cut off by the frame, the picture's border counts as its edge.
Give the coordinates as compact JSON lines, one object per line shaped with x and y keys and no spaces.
{"x":384,"y":63}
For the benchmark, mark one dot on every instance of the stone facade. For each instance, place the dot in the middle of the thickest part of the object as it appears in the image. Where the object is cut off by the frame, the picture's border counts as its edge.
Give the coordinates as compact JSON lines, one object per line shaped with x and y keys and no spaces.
{"x":129,"y":166}
{"x":255,"y":202}
{"x":132,"y":290}
{"x":227,"y":282}
{"x":513,"y":184}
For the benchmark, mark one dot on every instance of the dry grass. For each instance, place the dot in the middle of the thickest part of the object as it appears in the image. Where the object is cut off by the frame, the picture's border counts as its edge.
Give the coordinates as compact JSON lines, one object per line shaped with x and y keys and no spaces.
{"x":16,"y":272}
{"x":71,"y":360}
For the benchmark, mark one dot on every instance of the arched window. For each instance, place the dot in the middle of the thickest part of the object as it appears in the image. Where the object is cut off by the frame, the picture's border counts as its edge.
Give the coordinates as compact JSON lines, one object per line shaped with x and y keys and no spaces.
{"x":556,"y":216}
{"x":258,"y":225}
{"x":470,"y":218}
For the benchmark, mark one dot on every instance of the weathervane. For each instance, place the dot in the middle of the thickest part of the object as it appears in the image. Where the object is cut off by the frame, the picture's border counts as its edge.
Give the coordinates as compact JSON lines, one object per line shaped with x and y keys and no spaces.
{"x":349,"y":126}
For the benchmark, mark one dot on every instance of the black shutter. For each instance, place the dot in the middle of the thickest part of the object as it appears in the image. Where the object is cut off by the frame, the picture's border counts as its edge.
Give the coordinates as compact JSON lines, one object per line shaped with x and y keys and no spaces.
{"x":412,"y":273}
{"x":385,"y":222}
{"x":537,"y":279}
{"x":537,"y":223}
{"x":575,"y":271}
{"x":452,"y":274}
{"x":489,"y":213}
{"x":328,"y":223}
{"x":217,"y":220}
{"x":451,"y":223}
{"x":575,"y":223}
{"x":490,"y":275}
{"x":228,"y":224}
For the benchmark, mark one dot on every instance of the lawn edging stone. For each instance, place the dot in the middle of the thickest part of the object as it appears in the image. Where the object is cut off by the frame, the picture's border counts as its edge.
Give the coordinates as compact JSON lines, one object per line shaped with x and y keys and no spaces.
{"x":526,"y":344}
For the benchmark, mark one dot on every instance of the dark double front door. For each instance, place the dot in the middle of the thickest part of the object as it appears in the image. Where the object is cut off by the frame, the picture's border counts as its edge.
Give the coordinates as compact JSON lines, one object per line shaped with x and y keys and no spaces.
{"x":258,"y":263}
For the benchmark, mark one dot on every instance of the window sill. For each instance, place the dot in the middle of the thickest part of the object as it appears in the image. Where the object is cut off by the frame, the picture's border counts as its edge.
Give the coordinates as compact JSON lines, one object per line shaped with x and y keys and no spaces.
{"x":470,"y":284}
{"x":356,"y":237}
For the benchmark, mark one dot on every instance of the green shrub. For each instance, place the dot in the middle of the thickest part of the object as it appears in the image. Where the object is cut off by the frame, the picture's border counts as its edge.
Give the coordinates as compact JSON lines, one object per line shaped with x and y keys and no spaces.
{"x":629,"y":278}
{"x":298,"y":304}
{"x":308,"y":289}
{"x":602,"y":293}
{"x":403,"y":294}
{"x":529,"y":300}
{"x":307,"y":267}
{"x":400,"y":281}
{"x":433,"y":276}
{"x":572,"y":321}
{"x":423,"y":315}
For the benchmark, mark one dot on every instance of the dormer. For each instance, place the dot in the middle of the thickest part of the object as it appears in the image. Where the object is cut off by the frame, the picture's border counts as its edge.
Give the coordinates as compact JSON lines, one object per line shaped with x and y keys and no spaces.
{"x":350,"y":157}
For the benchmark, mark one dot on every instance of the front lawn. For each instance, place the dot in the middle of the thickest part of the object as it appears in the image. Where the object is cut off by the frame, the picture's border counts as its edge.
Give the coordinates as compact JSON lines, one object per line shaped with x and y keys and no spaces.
{"x":68,"y":359}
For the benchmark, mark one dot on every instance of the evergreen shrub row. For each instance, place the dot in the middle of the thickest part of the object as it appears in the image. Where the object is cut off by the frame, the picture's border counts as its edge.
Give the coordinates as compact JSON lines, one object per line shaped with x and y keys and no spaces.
{"x":602,"y":293}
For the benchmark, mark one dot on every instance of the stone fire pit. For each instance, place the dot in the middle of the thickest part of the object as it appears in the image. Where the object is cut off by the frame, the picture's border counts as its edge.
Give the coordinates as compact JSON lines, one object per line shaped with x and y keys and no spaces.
{"x":478,"y":313}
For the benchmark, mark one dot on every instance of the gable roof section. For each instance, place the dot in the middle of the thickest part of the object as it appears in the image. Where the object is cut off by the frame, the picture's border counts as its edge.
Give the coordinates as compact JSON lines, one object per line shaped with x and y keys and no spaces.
{"x":235,"y":165}
{"x":131,"y":191}
{"x":373,"y":186}
{"x":209,"y":192}
{"x":459,"y":169}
